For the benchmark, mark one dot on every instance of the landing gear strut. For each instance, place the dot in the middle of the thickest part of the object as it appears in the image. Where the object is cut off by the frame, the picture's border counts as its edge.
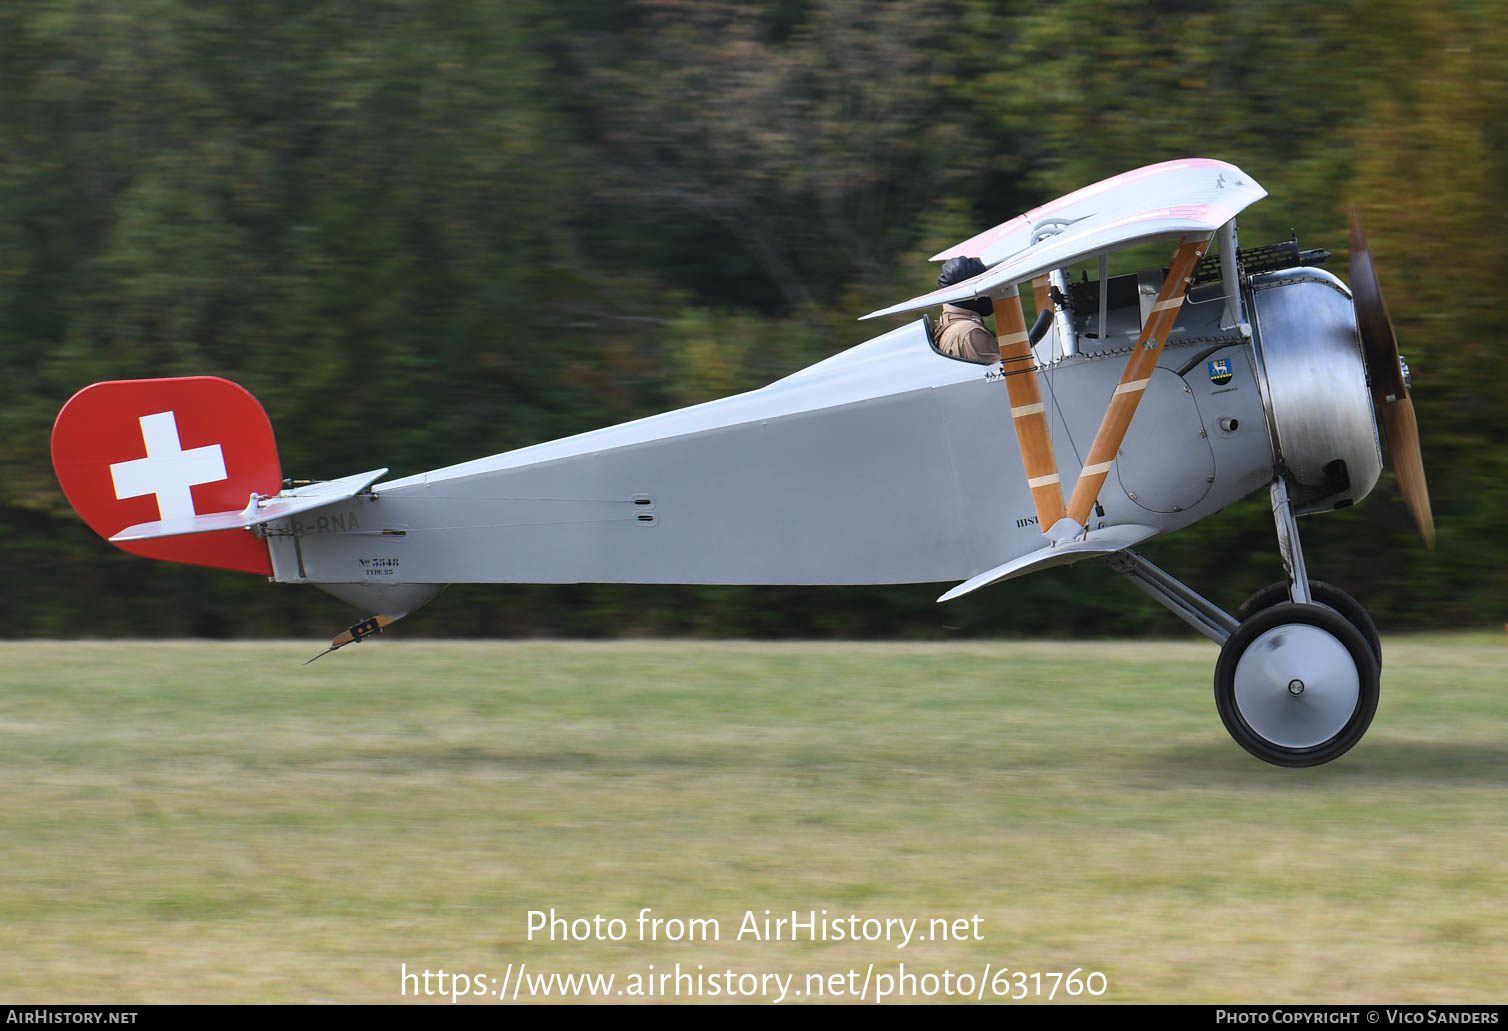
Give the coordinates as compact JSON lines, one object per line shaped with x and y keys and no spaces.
{"x":1297,"y":680}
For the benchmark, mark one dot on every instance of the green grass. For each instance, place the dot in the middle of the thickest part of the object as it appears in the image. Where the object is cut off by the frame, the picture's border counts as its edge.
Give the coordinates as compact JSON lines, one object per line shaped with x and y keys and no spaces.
{"x":197,"y":822}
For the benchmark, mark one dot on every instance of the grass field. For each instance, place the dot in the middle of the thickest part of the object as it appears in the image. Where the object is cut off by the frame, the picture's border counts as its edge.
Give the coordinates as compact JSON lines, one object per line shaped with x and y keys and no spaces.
{"x":196,"y":822}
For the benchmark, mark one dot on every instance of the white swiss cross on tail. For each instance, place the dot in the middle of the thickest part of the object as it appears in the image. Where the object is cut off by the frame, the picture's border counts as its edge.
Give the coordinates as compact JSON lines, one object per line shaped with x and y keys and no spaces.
{"x":168,"y":471}
{"x":208,"y":448}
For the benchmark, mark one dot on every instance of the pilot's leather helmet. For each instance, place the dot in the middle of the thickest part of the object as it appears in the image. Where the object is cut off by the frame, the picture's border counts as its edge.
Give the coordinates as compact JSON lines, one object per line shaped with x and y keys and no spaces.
{"x":956,"y":270}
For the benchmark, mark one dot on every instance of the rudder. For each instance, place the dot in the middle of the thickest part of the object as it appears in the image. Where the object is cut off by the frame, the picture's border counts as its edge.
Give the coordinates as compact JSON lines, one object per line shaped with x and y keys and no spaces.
{"x":133,"y":451}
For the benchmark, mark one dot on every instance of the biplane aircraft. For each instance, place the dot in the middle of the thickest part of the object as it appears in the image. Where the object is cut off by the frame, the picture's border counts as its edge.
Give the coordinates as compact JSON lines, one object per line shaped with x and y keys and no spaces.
{"x":1135,"y":406}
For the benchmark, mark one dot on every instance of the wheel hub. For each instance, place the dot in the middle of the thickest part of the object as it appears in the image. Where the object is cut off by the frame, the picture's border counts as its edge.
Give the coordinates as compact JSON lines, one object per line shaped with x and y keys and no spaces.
{"x":1297,"y":686}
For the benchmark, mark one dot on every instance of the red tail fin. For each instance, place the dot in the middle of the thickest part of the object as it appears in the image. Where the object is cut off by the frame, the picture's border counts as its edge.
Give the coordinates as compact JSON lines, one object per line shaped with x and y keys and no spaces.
{"x":131,"y":451}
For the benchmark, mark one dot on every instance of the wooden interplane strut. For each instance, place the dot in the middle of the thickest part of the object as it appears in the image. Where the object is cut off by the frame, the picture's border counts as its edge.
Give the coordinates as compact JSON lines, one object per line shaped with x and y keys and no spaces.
{"x":1128,"y":393}
{"x":1042,"y":293}
{"x":1027,"y":411}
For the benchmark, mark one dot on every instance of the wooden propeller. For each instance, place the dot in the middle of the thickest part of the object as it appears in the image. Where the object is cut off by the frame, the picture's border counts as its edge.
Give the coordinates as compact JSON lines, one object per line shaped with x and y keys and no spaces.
{"x":1390,"y":392}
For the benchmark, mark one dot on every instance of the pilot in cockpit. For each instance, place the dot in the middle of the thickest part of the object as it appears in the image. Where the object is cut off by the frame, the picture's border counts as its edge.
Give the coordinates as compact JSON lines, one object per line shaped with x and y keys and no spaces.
{"x":961,"y":332}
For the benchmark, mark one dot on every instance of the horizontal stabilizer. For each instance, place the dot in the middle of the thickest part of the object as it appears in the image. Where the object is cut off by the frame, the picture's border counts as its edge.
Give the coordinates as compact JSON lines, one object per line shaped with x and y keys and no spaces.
{"x":1098,"y":542}
{"x":257,"y":510}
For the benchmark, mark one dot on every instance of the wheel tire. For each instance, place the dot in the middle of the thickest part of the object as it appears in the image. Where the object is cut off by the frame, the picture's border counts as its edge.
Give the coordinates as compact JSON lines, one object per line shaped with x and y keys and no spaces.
{"x":1296,"y":685}
{"x":1328,"y":595}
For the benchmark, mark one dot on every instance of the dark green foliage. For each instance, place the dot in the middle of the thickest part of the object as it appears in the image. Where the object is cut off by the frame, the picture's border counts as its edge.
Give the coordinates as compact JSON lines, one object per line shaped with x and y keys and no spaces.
{"x":426,"y":232}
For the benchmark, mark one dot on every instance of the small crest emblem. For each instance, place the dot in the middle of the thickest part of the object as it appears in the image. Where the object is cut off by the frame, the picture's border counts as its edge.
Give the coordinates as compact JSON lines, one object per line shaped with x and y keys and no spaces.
{"x":1220,"y":373}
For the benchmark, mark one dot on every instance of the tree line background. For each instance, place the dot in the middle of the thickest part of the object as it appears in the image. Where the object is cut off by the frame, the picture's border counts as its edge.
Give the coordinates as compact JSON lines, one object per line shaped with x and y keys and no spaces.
{"x":430,"y":230}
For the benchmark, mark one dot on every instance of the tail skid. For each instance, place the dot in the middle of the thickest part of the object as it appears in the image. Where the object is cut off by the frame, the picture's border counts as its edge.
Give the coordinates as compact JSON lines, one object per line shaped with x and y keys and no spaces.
{"x":356,"y":633}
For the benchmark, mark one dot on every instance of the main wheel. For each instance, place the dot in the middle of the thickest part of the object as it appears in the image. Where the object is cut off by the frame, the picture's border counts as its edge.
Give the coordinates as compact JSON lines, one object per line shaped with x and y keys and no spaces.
{"x":1328,"y":595}
{"x":1296,"y":685}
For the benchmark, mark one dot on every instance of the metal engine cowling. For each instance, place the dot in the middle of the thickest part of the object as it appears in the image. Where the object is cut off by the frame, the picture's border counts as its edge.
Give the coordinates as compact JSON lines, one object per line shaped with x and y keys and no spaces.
{"x":1314,"y":386}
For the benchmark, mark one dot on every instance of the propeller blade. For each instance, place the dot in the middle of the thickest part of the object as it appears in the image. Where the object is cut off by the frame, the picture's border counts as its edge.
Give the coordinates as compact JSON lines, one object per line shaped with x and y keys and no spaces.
{"x":1402,"y":430}
{"x":1377,"y":338}
{"x":1390,"y":392}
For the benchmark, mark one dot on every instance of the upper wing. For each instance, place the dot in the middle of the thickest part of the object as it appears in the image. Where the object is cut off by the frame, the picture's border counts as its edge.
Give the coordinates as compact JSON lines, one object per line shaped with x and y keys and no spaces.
{"x":1172,"y":199}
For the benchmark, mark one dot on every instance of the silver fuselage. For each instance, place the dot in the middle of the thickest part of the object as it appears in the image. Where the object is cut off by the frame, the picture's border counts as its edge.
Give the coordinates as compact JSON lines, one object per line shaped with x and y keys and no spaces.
{"x":886,"y":463}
